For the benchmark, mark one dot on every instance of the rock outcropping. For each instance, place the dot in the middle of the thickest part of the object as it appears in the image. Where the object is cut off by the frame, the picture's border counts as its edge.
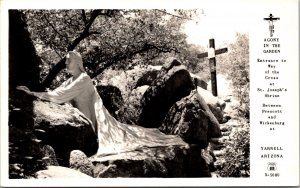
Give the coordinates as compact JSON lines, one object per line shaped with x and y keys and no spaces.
{"x":192,"y":120}
{"x":172,"y":83}
{"x":215,"y":104}
{"x":60,"y":172}
{"x":168,"y":161}
{"x":80,"y":162}
{"x":177,"y":109}
{"x":65,"y":129}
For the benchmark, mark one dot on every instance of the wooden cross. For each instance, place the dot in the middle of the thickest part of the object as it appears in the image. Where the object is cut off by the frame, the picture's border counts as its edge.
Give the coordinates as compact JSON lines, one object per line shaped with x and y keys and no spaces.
{"x":211,"y":55}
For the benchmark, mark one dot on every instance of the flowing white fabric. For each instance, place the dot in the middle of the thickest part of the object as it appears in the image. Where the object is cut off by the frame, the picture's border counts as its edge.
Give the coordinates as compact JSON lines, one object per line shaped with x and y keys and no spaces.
{"x":113,"y":136}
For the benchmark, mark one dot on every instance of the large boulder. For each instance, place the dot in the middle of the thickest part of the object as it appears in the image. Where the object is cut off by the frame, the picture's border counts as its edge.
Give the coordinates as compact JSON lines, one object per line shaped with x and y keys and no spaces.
{"x":64,"y":128}
{"x":215,"y":104}
{"x":192,"y":120}
{"x":168,"y":161}
{"x":50,"y":156}
{"x":79,"y":161}
{"x":198,"y":81}
{"x":60,"y":172}
{"x":172,"y":83}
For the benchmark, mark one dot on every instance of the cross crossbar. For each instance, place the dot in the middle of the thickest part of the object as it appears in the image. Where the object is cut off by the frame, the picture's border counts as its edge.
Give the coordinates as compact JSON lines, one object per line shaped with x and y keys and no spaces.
{"x":218,"y":51}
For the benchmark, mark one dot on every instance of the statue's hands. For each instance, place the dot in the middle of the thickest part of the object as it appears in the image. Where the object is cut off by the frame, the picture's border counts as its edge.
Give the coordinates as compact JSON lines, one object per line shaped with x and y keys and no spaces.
{"x":24,"y":88}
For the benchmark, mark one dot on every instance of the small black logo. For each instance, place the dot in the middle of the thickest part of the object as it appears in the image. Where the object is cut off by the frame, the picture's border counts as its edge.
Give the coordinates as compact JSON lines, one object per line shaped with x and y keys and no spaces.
{"x":272,"y":166}
{"x":271,"y":18}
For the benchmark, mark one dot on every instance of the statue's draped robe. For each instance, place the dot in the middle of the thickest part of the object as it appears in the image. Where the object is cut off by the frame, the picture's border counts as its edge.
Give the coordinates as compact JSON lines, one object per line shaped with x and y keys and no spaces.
{"x":113,"y":136}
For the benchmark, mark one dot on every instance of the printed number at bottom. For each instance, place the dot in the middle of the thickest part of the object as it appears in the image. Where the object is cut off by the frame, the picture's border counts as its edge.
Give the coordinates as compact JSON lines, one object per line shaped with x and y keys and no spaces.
{"x":272,"y":174}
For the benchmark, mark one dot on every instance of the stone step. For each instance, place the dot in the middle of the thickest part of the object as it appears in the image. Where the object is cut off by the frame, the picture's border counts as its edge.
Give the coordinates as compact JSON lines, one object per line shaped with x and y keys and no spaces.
{"x":227,"y":133}
{"x":225,"y":128}
{"x":219,"y":163}
{"x":217,"y":146}
{"x":215,"y":175}
{"x":219,"y":153}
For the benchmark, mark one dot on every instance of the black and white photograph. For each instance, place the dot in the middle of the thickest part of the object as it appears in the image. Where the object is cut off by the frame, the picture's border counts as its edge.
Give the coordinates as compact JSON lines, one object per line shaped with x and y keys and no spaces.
{"x":97,"y":93}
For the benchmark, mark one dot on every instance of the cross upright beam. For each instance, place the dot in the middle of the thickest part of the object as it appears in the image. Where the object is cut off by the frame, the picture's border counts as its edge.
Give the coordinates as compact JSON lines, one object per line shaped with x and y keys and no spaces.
{"x":212,"y":67}
{"x":211,"y":54}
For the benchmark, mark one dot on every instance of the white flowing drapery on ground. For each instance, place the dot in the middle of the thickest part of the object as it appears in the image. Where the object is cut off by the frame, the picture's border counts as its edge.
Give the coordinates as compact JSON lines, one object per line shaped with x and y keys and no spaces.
{"x":113,"y":136}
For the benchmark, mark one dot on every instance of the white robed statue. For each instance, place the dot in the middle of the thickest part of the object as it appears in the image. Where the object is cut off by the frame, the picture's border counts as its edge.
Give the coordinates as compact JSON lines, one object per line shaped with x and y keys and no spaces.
{"x":113,"y":136}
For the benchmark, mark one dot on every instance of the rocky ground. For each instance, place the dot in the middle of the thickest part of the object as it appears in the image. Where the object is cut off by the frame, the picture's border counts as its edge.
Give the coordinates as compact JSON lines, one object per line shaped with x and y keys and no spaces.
{"x":233,"y":126}
{"x":222,"y":145}
{"x":172,"y":102}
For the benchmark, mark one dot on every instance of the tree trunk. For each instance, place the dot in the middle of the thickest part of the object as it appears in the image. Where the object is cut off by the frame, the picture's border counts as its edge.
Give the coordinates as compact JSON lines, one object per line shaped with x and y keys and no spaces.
{"x":53,"y":73}
{"x":23,"y":59}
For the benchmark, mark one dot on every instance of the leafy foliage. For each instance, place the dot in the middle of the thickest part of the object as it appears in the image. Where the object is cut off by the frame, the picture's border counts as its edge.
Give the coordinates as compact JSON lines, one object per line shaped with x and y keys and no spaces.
{"x":237,"y":155}
{"x":106,"y":38}
{"x":236,"y":66}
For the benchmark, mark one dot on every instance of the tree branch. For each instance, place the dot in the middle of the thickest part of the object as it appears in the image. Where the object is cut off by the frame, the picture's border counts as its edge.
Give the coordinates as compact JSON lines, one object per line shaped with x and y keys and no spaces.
{"x":146,"y":47}
{"x":94,"y":33}
{"x":61,"y":64}
{"x":83,"y":17}
{"x":177,"y":16}
{"x":85,"y":33}
{"x":162,"y":49}
{"x":52,"y":26}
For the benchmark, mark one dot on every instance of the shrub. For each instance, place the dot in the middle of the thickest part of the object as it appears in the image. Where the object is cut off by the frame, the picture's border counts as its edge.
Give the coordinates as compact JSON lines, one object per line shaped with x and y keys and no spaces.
{"x":237,"y":155}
